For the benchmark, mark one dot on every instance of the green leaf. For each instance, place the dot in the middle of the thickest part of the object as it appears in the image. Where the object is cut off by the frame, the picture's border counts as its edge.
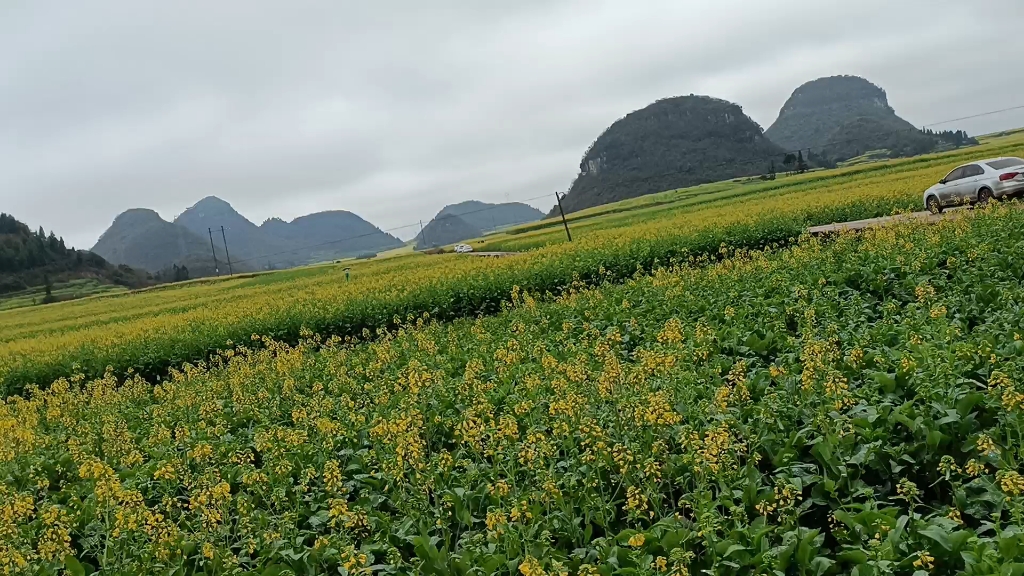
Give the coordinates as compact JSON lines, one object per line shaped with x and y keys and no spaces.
{"x":73,"y":566}
{"x":845,"y":518}
{"x":823,"y":452}
{"x":820,"y":565}
{"x":939,"y":535}
{"x":959,"y":539}
{"x":1015,"y":569}
{"x":734,"y":548}
{"x":1009,"y":545}
{"x":853,"y":556}
{"x":968,"y":402}
{"x":886,"y":381}
{"x":804,"y":550}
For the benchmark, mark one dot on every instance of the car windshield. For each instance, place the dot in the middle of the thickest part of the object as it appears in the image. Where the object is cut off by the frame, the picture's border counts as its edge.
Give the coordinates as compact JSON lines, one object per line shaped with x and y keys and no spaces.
{"x":1005,"y":163}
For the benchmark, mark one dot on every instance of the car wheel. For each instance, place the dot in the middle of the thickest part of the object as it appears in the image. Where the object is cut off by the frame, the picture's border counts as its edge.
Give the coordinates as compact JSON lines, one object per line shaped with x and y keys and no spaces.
{"x":933,"y":205}
{"x":984,"y":195}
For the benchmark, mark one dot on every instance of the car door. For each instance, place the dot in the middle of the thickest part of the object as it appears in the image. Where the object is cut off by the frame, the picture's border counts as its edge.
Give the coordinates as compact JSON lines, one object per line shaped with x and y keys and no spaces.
{"x":948,"y":188}
{"x":970,"y":183}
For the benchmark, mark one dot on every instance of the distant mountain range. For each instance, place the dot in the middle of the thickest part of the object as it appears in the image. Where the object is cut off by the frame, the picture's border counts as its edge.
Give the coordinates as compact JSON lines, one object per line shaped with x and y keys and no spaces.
{"x":471,"y":219}
{"x":141,"y":239}
{"x":490,"y":217}
{"x":673,"y":143}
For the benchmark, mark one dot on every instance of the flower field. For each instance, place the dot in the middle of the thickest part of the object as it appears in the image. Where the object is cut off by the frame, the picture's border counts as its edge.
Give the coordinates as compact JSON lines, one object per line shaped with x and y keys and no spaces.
{"x":712,"y":199}
{"x":152,"y":330}
{"x":852,"y":406}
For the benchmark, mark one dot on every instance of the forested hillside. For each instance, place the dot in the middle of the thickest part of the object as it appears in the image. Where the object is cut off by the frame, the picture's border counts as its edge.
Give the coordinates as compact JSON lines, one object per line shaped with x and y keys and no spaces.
{"x":34,"y":258}
{"x":673,"y":143}
{"x":841,"y":117}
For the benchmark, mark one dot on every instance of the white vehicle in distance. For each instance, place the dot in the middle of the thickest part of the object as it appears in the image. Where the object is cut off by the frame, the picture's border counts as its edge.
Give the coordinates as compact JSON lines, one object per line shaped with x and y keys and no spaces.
{"x":977,"y":182}
{"x":463,"y":248}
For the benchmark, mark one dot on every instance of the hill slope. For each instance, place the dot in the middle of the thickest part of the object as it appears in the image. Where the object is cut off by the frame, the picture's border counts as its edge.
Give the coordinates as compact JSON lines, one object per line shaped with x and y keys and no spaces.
{"x":487,"y":217}
{"x":673,"y":143}
{"x":140,"y":238}
{"x":246,"y":242}
{"x":30,"y":259}
{"x":446,"y":229}
{"x":328,"y":235}
{"x":841,"y":117}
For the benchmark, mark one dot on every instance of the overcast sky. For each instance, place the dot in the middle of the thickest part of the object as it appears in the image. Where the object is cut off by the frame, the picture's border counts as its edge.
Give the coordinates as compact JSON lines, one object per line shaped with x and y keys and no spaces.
{"x":392,"y":109}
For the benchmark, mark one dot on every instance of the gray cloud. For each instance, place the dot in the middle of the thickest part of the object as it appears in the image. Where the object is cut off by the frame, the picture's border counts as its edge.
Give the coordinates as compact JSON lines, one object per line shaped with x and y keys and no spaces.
{"x":393,"y":109}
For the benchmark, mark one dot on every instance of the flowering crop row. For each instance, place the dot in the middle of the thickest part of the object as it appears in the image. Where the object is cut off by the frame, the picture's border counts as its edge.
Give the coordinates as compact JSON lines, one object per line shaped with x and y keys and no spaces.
{"x":814,"y":410}
{"x":699,"y":203}
{"x":151,"y":331}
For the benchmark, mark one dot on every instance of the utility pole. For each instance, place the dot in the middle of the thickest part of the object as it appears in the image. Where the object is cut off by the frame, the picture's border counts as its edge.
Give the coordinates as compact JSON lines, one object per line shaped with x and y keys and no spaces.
{"x":560,"y":211}
{"x":226,"y":253}
{"x":423,"y":237}
{"x":216,"y":268}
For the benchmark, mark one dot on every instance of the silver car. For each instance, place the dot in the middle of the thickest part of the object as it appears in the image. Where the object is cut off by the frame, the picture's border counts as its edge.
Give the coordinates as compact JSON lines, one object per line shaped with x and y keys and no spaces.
{"x":977,"y":182}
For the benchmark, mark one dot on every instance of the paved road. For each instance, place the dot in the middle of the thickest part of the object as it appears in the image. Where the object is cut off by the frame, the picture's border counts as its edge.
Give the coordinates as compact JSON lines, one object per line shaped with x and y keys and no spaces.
{"x":884,"y":221}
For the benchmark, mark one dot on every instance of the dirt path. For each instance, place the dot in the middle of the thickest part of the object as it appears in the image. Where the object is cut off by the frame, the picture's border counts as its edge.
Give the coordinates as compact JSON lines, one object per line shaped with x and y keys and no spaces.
{"x":884,"y":221}
{"x":490,"y":254}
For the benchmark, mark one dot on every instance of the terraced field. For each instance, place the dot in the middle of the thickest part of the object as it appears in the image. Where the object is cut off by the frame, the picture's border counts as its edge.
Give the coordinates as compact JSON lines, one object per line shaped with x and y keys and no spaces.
{"x":815,"y":409}
{"x":706,"y":389}
{"x":152,"y":330}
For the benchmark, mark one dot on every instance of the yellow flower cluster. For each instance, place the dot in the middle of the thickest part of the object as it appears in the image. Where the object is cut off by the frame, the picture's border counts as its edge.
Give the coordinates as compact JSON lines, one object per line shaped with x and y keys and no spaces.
{"x":925,"y":561}
{"x":1011,"y":482}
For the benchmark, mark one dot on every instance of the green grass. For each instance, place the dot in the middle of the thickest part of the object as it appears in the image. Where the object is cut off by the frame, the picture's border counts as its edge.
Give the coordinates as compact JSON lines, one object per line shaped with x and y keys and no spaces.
{"x":61,"y":291}
{"x":866,"y":158}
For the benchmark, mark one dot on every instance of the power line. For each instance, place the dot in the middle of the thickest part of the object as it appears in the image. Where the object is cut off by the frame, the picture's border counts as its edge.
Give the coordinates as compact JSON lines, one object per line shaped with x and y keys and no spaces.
{"x":993,"y":112}
{"x":231,"y":272}
{"x":216,"y":268}
{"x":562,"y":214}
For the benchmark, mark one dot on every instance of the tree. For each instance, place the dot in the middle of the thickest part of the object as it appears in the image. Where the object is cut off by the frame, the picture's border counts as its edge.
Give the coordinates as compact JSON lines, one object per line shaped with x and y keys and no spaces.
{"x":179,"y":273}
{"x":789,"y":160}
{"x":49,"y":290}
{"x":801,"y":165}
